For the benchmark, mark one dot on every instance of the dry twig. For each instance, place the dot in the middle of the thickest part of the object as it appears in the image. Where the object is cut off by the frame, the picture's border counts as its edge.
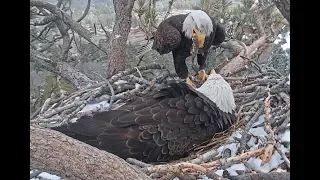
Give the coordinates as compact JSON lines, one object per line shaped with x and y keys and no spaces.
{"x":282,"y":154}
{"x":235,"y":159}
{"x":247,"y":128}
{"x":271,"y":139}
{"x":204,"y":157}
{"x":176,"y":168}
{"x":137,"y":162}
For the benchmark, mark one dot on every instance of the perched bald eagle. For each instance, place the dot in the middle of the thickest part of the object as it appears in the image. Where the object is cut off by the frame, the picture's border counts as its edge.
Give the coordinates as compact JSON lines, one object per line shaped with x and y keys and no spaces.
{"x":163,"y":124}
{"x":175,"y":35}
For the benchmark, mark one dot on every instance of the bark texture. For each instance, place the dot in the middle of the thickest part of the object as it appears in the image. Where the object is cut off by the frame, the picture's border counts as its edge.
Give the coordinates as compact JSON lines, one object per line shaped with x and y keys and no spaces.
{"x":118,"y":44}
{"x":53,"y":152}
{"x":284,"y":8}
{"x":264,"y":176}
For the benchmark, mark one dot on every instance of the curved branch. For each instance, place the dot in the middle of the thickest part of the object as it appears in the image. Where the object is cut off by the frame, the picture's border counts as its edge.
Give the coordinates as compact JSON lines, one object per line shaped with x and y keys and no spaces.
{"x":64,"y":17}
{"x":56,"y":153}
{"x":61,"y":68}
{"x":85,"y":11}
{"x":238,"y":63}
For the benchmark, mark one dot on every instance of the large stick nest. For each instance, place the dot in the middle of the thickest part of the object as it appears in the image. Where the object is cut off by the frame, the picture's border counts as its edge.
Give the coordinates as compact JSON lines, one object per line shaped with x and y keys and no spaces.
{"x":265,"y":93}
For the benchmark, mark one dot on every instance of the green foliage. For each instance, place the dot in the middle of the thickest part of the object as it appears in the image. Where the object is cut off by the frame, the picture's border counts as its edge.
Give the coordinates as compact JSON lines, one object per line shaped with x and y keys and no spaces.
{"x":277,"y":18}
{"x":280,"y":58}
{"x":242,"y":12}
{"x":217,"y":8}
{"x":237,"y":17}
{"x":52,"y":86}
{"x":147,"y":14}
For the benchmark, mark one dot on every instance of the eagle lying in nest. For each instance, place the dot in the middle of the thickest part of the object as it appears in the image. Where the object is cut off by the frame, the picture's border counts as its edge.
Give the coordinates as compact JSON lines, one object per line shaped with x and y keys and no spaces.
{"x":161,"y":125}
{"x":177,"y":34}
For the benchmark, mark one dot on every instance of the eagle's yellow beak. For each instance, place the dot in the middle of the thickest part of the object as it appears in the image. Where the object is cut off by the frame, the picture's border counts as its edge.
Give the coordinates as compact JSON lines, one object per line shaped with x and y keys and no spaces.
{"x":199,"y":36}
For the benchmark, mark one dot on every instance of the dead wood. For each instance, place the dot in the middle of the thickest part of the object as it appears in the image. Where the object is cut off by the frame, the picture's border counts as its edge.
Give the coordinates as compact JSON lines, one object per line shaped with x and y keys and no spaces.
{"x":248,"y":126}
{"x":176,"y":168}
{"x":65,"y":17}
{"x":204,"y":157}
{"x":265,"y":176}
{"x":282,"y":154}
{"x":70,"y":106}
{"x":238,"y":63}
{"x":56,"y":153}
{"x":241,"y":157}
{"x":137,"y":162}
{"x":271,"y":139}
{"x":285,"y":125}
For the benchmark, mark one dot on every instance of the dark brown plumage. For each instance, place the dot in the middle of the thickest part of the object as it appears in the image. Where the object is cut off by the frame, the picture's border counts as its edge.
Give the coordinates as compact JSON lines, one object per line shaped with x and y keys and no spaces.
{"x":170,"y":37}
{"x":161,"y":125}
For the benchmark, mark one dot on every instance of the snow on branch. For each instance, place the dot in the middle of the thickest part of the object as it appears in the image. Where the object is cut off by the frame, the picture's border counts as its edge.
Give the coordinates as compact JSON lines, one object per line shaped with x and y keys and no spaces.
{"x":117,"y":89}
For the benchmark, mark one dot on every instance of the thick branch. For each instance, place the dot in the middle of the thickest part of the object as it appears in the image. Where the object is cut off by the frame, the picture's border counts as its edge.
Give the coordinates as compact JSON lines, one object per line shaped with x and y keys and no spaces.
{"x":64,"y":17}
{"x":238,"y":63}
{"x":85,"y":11}
{"x":53,"y":152}
{"x":63,"y":69}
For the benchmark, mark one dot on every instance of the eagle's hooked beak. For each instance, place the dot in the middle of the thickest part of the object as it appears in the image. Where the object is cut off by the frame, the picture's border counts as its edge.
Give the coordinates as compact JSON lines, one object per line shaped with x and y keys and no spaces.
{"x":199,"y":36}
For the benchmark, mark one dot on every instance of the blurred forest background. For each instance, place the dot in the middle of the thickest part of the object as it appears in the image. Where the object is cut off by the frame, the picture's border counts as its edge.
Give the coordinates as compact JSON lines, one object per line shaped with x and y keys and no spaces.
{"x":63,"y":60}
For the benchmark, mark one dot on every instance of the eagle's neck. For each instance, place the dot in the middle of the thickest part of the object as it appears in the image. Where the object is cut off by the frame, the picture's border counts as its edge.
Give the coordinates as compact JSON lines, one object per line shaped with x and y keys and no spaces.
{"x":199,"y":20}
{"x":219,"y":92}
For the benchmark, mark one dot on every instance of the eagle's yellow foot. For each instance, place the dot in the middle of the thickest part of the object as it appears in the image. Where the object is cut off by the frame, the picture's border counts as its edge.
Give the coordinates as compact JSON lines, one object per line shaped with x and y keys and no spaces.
{"x":190,"y":83}
{"x":202,"y":76}
{"x":212,"y":71}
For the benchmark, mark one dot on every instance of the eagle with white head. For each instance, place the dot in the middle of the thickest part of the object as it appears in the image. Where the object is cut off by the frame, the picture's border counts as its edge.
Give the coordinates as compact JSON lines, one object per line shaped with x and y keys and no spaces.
{"x":160,"y":125}
{"x":175,"y":34}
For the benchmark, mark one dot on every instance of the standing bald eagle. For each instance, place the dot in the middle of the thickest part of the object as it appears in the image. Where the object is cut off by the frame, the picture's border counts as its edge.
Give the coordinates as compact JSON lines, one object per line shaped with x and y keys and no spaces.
{"x":175,"y":35}
{"x":161,"y":125}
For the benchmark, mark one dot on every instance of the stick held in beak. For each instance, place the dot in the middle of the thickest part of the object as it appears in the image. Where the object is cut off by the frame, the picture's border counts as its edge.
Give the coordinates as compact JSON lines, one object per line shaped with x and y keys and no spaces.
{"x":199,"y":36}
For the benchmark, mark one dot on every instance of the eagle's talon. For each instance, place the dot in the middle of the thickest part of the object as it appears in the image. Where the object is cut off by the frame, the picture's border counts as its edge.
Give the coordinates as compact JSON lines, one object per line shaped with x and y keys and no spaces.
{"x":213,"y":71}
{"x":202,"y":76}
{"x":190,"y":83}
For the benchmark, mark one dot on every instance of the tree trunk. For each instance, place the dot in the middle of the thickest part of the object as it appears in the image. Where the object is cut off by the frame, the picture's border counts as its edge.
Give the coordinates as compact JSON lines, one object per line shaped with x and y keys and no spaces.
{"x":54,"y":152}
{"x":78,"y":79}
{"x":118,"y":43}
{"x":284,"y":8}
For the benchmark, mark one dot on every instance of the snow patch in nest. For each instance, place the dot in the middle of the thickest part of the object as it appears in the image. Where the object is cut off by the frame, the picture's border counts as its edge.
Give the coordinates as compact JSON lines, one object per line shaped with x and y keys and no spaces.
{"x":89,"y":107}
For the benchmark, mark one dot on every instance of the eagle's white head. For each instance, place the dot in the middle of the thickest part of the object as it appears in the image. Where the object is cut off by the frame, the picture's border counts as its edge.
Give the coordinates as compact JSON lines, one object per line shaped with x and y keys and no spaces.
{"x":197,"y":23}
{"x":218,"y":91}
